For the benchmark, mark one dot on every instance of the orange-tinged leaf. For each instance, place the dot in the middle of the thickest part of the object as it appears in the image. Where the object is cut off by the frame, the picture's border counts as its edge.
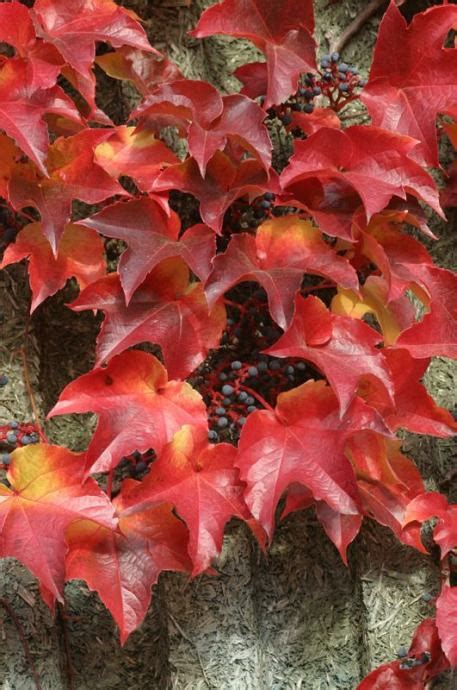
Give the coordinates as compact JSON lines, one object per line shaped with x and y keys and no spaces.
{"x":123,"y":565}
{"x":81,"y":255}
{"x":138,"y":407}
{"x":166,"y":309}
{"x":341,"y":529}
{"x":277,"y":257}
{"x":387,"y":481}
{"x":47,"y":494}
{"x":73,"y":174}
{"x":137,"y":154}
{"x":201,"y":481}
{"x":147,"y":71}
{"x":9,"y":153}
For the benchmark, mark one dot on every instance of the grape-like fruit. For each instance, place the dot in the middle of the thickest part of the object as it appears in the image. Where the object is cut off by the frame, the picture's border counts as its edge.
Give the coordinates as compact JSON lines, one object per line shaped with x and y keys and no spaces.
{"x":3,"y":379}
{"x":253,"y":371}
{"x":227,"y":389}
{"x":212,"y":435}
{"x":236,"y":365}
{"x":222,"y":422}
{"x":250,"y":400}
{"x":251,"y":408}
{"x":11,"y":437}
{"x":5,"y":458}
{"x":220,"y":411}
{"x":242,"y":397}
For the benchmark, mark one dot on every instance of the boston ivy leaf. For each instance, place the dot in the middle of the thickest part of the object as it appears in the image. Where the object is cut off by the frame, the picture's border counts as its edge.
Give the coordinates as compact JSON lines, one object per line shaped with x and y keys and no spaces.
{"x":73,"y":174}
{"x":387,"y":481}
{"x":166,"y":310}
{"x":137,"y":154}
{"x":151,"y":235}
{"x":301,"y":441}
{"x":412,"y":77}
{"x":341,"y":529}
{"x":23,"y":106}
{"x":201,"y":481}
{"x":281,"y":30}
{"x":47,"y":494}
{"x":346,"y":355}
{"x":146,"y":71}
{"x":138,"y":407}
{"x":430,"y":505}
{"x":74,"y":26}
{"x":207,"y":119}
{"x":224,"y":182}
{"x":375,"y":163}
{"x":81,"y":255}
{"x":122,"y":565}
{"x":446,"y":622}
{"x":277,"y":257}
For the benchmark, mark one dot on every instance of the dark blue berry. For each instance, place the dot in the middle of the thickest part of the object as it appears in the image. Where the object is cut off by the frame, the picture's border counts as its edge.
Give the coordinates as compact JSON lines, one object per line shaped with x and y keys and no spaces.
{"x":325,"y":63}
{"x":227,"y":389}
{"x":5,"y":458}
{"x":362,"y":82}
{"x":3,"y":379}
{"x":317,"y":91}
{"x":265,"y":204}
{"x":262,"y":366}
{"x":13,"y":424}
{"x":212,"y":435}
{"x":301,"y":366}
{"x":250,"y":400}
{"x":289,"y":369}
{"x":344,"y":88}
{"x":275,"y":365}
{"x":241,"y":421}
{"x":242,"y":397}
{"x":230,"y":322}
{"x":226,"y":401}
{"x":26,"y":440}
{"x":223,"y":377}
{"x":343,"y":67}
{"x":236,"y":365}
{"x":251,"y":408}
{"x":11,"y":437}
{"x":308,"y":108}
{"x":334,"y":57}
{"x":269,"y":196}
{"x":286,"y":120}
{"x":352,"y":70}
{"x":220,"y":411}
{"x":140,"y":467}
{"x":253,"y":371}
{"x":327,"y":77}
{"x":9,"y":234}
{"x":222,"y":422}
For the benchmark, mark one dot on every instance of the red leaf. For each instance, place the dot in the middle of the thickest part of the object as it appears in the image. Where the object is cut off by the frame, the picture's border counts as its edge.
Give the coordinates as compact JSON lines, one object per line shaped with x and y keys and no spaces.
{"x":348,"y":356}
{"x":277,"y":257}
{"x":209,"y":120}
{"x":302,"y":441}
{"x":137,"y":154}
{"x":47,"y":494}
{"x":200,"y":480}
{"x":375,"y":163}
{"x":445,"y":533}
{"x":429,"y":505}
{"x":436,"y":334}
{"x":147,"y":71}
{"x":415,"y":409}
{"x":73,"y":174}
{"x":412,"y":78}
{"x":166,"y":309}
{"x":81,"y":255}
{"x":446,"y":621}
{"x":387,"y":481}
{"x":152,"y":236}
{"x":281,"y":30}
{"x":23,"y":106}
{"x":73,"y":27}
{"x":254,"y":77}
{"x":138,"y":407}
{"x":399,"y":675}
{"x":341,"y":529}
{"x":224,"y":182}
{"x":122,"y":566}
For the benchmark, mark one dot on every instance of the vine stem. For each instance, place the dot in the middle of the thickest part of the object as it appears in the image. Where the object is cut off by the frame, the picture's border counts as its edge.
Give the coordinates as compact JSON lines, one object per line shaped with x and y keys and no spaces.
{"x":10,"y":611}
{"x":66,"y":644}
{"x":258,"y":397}
{"x":355,"y":26}
{"x":28,"y":385}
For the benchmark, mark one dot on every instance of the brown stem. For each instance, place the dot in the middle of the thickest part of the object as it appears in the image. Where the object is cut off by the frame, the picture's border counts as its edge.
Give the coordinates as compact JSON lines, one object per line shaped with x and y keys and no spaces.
{"x":28,"y":386}
{"x":355,"y":26}
{"x":10,"y":611}
{"x":66,"y":644}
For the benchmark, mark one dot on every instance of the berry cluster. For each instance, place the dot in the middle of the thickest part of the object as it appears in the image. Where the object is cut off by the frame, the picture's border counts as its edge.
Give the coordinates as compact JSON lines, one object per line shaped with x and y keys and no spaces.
{"x":242,"y":379}
{"x":336,"y":81}
{"x":15,"y":435}
{"x":136,"y":464}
